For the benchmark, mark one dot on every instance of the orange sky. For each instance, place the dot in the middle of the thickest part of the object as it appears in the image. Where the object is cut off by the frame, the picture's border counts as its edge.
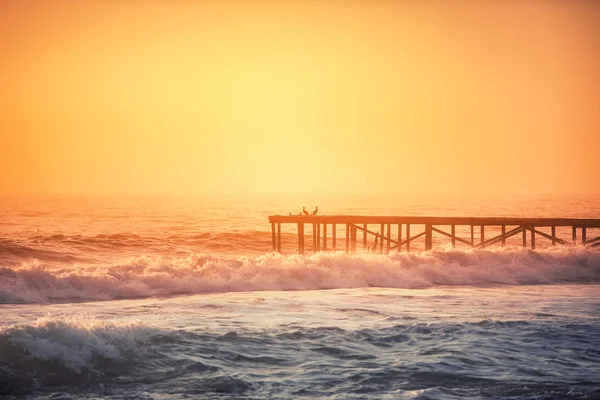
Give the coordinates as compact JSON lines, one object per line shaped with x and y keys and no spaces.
{"x":302,"y":96}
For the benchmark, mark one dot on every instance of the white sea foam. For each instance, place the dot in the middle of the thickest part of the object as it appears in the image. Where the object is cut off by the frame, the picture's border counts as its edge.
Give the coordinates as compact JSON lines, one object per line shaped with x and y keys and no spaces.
{"x":147,"y":276}
{"x":74,"y":341}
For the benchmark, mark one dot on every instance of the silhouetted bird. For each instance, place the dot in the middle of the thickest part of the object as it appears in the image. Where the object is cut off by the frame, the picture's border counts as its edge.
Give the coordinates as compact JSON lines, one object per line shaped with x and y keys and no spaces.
{"x":316,"y":211}
{"x":304,"y":211}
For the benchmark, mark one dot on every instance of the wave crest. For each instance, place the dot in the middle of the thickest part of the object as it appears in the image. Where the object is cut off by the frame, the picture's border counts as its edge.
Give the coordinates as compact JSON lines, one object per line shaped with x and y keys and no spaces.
{"x":155,"y":276}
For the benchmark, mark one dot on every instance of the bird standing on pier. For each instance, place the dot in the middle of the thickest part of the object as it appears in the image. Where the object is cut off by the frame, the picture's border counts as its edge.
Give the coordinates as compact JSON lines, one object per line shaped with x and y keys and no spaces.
{"x":316,"y":211}
{"x":304,"y":211}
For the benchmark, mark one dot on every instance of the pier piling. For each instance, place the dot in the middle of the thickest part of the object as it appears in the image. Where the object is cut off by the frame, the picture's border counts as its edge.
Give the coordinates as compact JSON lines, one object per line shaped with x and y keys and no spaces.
{"x":383,"y":236}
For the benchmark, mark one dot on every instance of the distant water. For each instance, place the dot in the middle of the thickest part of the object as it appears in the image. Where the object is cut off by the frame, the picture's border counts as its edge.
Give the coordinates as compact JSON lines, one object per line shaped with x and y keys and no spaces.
{"x":154,"y":298}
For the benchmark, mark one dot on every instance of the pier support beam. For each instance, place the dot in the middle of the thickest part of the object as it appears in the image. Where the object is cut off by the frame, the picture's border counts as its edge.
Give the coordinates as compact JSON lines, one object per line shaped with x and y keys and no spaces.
{"x":279,"y":237}
{"x":347,"y":237}
{"x":333,"y":238}
{"x":546,"y":228}
{"x":300,"y":238}
{"x":389,"y":238}
{"x":472,"y":236}
{"x":428,"y":237}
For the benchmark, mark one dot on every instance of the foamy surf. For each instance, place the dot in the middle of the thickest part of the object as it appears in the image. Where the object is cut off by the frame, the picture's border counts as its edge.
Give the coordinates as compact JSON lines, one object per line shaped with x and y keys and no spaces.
{"x":146,"y":276}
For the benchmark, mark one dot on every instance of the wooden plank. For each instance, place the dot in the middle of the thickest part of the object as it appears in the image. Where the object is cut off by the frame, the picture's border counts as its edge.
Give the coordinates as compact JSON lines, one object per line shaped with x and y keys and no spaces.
{"x":423,"y":220}
{"x":553,"y":236}
{"x":407,"y":241}
{"x":279,"y":237}
{"x":503,"y":235}
{"x":273,"y":236}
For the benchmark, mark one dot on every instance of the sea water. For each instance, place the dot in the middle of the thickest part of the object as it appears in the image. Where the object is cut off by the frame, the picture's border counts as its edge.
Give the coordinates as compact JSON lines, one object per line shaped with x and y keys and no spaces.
{"x":180,"y":297}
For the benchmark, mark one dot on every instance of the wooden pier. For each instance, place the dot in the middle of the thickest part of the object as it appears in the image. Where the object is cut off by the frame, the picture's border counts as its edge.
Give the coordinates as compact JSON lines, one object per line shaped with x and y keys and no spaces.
{"x":387,"y":233}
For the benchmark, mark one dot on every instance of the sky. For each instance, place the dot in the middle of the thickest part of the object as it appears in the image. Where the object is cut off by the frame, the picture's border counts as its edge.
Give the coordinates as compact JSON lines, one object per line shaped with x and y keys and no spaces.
{"x":282,"y":97}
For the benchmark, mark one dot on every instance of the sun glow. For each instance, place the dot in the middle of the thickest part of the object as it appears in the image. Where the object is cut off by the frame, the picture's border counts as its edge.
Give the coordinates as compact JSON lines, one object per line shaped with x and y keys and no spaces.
{"x":306,"y":97}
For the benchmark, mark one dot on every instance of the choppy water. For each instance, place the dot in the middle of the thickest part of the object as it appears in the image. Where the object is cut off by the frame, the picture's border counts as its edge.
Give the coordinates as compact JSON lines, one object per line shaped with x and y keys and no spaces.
{"x":178,"y":298}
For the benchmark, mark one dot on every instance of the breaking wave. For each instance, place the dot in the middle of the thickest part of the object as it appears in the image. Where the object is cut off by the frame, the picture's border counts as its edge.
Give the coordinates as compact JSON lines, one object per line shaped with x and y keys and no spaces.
{"x":146,"y":276}
{"x":68,"y":350}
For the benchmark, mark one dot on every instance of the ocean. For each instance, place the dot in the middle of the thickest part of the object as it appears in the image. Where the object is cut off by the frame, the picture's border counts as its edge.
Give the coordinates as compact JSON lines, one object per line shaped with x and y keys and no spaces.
{"x":180,"y":297}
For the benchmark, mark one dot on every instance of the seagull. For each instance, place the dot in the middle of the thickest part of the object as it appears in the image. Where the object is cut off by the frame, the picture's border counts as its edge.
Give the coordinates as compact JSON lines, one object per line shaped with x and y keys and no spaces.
{"x":316,"y":211}
{"x":304,"y":211}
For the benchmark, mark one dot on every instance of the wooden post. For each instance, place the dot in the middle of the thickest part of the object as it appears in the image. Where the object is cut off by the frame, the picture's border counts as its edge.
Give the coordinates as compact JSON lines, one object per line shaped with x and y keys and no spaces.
{"x":324,"y":237}
{"x":553,"y":235}
{"x":533,"y":237}
{"x":472,"y":237}
{"x":408,"y":238}
{"x":503,"y":237}
{"x":353,"y":239}
{"x":273,"y":236}
{"x":524,"y":236}
{"x":453,"y":235}
{"x":381,"y":240}
{"x":583,"y":235}
{"x":399,"y":237}
{"x":428,"y":237}
{"x":314,"y":232}
{"x":364,"y":236}
{"x":389,"y":238}
{"x":333,"y":233}
{"x":482,"y":234}
{"x":300,"y":237}
{"x":318,"y":236}
{"x":279,"y":237}
{"x":347,"y":237}
{"x":574,"y":235}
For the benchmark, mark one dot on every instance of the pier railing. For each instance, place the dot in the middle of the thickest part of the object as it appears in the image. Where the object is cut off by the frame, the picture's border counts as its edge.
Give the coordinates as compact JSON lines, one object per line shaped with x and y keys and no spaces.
{"x":382,"y":238}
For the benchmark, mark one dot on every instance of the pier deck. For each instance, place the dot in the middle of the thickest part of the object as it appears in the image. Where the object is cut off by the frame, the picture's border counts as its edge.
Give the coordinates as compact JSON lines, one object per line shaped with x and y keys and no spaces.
{"x":430,"y":228}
